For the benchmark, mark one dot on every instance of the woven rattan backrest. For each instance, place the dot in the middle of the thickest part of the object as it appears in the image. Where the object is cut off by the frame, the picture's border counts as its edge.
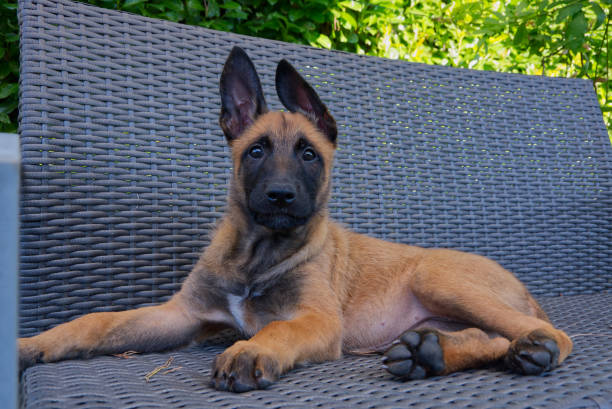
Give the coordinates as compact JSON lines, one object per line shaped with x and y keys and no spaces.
{"x":125,"y":167}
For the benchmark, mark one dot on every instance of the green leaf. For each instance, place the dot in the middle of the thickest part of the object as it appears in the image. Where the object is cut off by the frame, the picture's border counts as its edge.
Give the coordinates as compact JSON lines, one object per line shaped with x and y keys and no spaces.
{"x":317,"y":17}
{"x":213,"y":9}
{"x":520,"y":37}
{"x":463,"y":9}
{"x":174,"y":16}
{"x":4,"y":118}
{"x":296,"y":14}
{"x":576,"y":30}
{"x":323,"y":41}
{"x":491,"y":26}
{"x":8,"y":89}
{"x":349,"y":19}
{"x":11,"y":37}
{"x":568,"y":11}
{"x":499,"y":16}
{"x":309,"y":25}
{"x":174,"y":5}
{"x":5,"y":70}
{"x":195,"y":5}
{"x":230,"y":5}
{"x":585,"y":66}
{"x":558,"y":3}
{"x":222,"y":25}
{"x":132,"y":3}
{"x":8,"y":105}
{"x":14,"y":66}
{"x":601,"y":15}
{"x":236,"y":14}
{"x":521,"y":9}
{"x":311,"y":37}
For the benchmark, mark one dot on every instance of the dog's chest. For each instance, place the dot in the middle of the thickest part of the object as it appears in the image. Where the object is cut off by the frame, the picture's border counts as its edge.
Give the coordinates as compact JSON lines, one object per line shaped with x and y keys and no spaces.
{"x":236,"y":307}
{"x":252,"y":309}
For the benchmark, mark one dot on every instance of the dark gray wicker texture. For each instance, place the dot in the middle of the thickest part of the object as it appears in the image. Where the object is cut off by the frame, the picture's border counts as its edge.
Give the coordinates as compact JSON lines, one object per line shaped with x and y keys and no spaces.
{"x":353,"y":382}
{"x":125,"y":169}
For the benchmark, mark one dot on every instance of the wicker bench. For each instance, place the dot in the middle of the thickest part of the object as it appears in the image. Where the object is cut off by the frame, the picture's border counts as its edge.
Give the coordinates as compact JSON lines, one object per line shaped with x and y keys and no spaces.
{"x":124,"y":170}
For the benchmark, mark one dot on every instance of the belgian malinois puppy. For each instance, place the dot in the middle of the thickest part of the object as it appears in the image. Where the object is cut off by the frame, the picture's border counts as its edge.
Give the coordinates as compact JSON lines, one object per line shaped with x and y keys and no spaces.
{"x":303,"y":288}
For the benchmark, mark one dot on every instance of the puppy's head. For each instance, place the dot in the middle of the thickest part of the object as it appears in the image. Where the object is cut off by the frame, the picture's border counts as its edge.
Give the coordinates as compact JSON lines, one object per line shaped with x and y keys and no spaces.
{"x":282,"y":160}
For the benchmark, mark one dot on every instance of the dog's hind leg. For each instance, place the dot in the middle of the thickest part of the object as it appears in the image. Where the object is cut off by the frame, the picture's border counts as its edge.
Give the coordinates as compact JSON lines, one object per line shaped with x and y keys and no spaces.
{"x":428,"y":352}
{"x":147,"y":329}
{"x":475,"y":290}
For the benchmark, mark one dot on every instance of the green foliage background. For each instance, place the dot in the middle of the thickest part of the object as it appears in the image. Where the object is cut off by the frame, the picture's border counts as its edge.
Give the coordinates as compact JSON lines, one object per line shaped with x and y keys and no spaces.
{"x":568,"y":38}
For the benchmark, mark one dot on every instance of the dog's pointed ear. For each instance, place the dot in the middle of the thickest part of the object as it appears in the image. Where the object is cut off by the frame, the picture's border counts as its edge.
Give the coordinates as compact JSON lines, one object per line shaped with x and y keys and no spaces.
{"x":298,"y":96}
{"x":242,"y":99}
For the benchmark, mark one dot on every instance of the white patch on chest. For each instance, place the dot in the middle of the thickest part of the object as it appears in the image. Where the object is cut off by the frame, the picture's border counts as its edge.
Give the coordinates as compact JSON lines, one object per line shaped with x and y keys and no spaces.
{"x":236,"y":307}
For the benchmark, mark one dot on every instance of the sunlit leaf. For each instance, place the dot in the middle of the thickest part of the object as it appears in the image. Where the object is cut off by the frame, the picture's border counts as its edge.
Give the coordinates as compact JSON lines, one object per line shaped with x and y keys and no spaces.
{"x":323,"y":41}
{"x":347,"y":17}
{"x":552,"y":37}
{"x":353,"y":5}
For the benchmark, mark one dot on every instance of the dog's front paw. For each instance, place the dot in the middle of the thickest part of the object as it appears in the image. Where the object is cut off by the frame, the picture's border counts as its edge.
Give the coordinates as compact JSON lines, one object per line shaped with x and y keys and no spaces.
{"x":243,"y":367}
{"x":415,"y":355}
{"x":533,"y":354}
{"x":29,"y":353}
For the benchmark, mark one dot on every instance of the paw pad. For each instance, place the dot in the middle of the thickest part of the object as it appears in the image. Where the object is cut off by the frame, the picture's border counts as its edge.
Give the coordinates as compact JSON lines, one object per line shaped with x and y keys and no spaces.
{"x":415,"y":355}
{"x":533,"y":354}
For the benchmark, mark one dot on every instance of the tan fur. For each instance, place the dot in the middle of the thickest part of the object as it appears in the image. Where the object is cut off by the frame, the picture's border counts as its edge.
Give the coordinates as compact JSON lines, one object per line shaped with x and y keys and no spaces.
{"x":357,"y":294}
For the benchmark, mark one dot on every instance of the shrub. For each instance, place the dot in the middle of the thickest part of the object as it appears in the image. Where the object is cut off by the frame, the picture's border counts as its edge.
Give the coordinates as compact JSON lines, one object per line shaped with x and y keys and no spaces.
{"x":568,"y":38}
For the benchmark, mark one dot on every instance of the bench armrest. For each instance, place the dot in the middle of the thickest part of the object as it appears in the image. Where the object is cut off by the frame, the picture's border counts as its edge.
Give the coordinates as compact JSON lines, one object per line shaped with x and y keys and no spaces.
{"x":9,"y":241}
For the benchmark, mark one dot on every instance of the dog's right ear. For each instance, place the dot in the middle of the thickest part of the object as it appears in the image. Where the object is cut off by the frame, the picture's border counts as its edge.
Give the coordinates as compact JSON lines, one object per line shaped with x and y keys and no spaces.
{"x":242,"y":99}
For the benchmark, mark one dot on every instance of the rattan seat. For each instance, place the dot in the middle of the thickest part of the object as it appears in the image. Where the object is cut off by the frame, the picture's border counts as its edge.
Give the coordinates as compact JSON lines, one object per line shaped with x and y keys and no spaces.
{"x":125,"y":172}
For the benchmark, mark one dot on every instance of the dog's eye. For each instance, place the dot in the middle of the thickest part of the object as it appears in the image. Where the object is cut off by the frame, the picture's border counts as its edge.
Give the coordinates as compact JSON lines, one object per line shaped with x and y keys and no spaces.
{"x":309,"y":154}
{"x":256,"y":151}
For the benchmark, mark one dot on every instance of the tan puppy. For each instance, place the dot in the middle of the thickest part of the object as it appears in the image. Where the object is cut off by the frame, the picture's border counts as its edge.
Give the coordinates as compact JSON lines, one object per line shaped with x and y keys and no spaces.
{"x":303,"y":288}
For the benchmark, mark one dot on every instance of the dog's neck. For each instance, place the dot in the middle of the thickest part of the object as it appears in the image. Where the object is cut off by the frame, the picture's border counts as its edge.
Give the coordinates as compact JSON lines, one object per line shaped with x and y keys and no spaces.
{"x":257,"y":257}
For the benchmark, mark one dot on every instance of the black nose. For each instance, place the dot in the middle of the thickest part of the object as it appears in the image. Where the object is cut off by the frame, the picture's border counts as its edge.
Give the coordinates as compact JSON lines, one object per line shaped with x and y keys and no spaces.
{"x":281,"y":195}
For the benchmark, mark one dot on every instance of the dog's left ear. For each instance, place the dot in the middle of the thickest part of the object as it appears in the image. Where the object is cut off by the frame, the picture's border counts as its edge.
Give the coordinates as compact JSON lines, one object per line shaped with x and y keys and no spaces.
{"x":298,"y":96}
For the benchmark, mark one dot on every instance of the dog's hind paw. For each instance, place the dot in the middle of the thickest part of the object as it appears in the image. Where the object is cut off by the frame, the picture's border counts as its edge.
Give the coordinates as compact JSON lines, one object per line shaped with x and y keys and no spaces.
{"x":415,"y":355}
{"x":533,"y":354}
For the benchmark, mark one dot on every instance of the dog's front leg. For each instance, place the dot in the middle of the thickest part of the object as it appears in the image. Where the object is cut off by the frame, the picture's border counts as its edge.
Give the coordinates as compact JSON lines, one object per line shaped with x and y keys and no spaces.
{"x":147,"y":329}
{"x":313,"y":335}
